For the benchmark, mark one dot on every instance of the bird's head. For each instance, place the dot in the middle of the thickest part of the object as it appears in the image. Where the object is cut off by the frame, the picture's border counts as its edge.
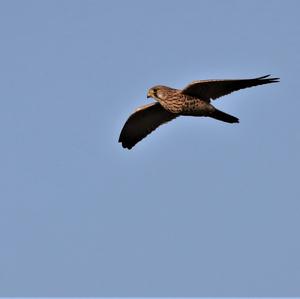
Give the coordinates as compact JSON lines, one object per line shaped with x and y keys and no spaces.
{"x":157,"y":92}
{"x":152,"y":92}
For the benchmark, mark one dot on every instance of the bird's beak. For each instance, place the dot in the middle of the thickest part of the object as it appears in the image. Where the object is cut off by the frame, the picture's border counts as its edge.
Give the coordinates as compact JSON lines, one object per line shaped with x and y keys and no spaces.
{"x":149,"y":94}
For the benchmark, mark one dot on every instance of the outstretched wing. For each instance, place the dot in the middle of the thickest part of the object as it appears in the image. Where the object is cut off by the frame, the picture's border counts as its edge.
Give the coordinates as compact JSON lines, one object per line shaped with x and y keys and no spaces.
{"x":213,"y":89}
{"x":142,"y":122}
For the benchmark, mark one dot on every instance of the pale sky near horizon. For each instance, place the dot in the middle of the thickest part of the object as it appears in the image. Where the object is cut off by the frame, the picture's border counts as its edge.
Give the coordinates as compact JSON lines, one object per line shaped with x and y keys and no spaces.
{"x":199,"y":208}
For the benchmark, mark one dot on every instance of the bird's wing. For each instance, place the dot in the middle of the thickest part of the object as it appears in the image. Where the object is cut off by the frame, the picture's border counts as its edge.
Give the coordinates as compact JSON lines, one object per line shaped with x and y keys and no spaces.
{"x":213,"y":89}
{"x":142,"y":122}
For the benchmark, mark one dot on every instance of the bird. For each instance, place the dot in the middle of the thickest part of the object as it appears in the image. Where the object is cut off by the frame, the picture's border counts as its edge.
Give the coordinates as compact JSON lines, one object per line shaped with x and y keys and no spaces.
{"x":193,"y":100}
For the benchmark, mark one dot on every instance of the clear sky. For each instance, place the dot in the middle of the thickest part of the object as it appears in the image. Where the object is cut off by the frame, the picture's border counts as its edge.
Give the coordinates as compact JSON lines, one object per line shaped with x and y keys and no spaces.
{"x":198,"y":208}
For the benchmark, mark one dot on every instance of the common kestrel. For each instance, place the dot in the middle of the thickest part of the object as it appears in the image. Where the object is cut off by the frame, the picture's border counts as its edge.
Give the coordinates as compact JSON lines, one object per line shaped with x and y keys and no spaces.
{"x":193,"y":100}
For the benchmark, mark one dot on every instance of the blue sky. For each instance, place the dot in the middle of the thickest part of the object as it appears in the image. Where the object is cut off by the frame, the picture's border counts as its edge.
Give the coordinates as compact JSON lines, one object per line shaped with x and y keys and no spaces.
{"x":198,"y":208}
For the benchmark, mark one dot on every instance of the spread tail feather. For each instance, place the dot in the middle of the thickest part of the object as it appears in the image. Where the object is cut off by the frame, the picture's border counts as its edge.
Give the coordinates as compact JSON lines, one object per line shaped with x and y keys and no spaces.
{"x":220,"y":115}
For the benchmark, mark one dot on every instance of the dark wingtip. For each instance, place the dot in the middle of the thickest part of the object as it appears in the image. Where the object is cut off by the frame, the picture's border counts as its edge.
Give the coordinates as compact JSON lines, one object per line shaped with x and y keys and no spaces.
{"x":124,"y":144}
{"x":129,"y":147}
{"x":263,"y":77}
{"x":235,"y":121}
{"x":266,"y":79}
{"x":122,"y":140}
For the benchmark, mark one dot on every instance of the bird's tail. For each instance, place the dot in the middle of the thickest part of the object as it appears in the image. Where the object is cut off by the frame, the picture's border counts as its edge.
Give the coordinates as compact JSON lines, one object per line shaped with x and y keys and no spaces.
{"x":220,"y":115}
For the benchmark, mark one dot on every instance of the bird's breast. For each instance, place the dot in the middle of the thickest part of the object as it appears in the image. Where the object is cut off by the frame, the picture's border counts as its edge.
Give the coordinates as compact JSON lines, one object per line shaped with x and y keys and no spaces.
{"x":173,"y":104}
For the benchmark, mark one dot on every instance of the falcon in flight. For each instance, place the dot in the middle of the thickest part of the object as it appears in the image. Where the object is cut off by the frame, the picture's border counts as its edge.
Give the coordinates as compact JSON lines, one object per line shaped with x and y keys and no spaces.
{"x":193,"y":100}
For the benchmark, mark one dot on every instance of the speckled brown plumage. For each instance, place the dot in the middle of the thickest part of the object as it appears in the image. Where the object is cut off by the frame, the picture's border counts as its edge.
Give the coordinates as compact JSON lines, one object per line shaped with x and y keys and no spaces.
{"x":193,"y":100}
